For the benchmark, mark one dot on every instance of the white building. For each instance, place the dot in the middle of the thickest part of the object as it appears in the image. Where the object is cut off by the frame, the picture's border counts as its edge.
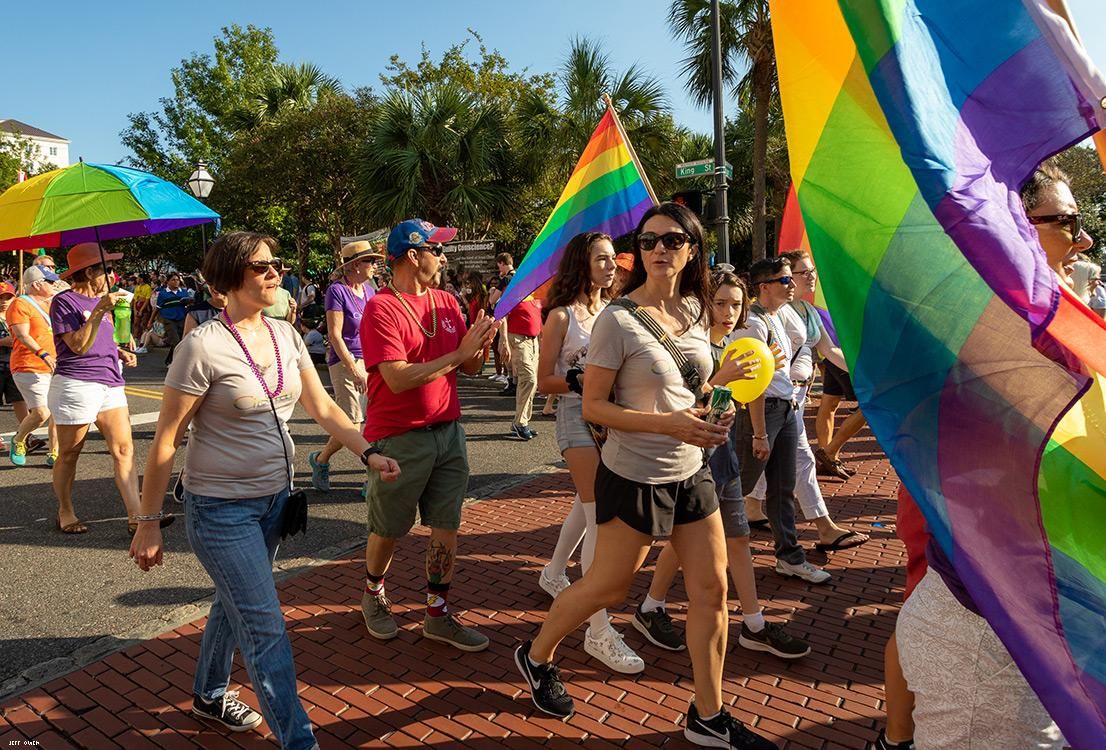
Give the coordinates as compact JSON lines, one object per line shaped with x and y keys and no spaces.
{"x":50,"y":148}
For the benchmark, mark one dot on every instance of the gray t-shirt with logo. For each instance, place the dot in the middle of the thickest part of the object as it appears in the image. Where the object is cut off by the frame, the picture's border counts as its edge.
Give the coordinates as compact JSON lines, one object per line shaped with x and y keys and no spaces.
{"x":649,"y":381}
{"x":234,"y":451}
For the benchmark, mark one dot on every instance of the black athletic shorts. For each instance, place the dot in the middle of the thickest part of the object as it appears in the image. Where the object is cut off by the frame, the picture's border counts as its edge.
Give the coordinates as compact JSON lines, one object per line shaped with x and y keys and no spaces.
{"x":9,"y":393}
{"x":654,"y":509}
{"x":836,"y":382}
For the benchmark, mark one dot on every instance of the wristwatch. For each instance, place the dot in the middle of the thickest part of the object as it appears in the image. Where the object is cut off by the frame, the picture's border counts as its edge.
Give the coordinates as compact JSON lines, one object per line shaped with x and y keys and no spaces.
{"x":372,"y":450}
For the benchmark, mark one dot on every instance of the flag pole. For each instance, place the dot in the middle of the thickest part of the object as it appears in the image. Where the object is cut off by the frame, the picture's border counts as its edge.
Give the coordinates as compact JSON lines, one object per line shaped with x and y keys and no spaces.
{"x":630,"y":148}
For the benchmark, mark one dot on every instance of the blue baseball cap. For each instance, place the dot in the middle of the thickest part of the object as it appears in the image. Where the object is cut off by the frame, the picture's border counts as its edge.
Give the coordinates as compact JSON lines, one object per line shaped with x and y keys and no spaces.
{"x":416,"y":233}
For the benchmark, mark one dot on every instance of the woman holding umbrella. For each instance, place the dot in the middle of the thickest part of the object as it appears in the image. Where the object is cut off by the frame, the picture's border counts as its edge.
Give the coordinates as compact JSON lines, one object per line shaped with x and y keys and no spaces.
{"x":87,"y":387}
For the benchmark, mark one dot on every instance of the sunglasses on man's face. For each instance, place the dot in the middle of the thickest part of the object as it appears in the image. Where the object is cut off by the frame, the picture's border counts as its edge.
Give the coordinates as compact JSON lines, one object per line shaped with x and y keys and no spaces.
{"x":437,"y":250}
{"x":1073,"y":222}
{"x":782,"y":281}
{"x":263,"y":266}
{"x":673,"y":241}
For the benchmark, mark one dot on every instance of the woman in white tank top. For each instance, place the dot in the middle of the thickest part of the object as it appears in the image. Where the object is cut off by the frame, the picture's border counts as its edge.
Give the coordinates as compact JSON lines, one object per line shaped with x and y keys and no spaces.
{"x":580,"y":292}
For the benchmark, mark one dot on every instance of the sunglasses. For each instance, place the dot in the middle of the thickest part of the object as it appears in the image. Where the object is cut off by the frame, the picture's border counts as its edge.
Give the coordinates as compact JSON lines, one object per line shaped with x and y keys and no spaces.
{"x":263,"y":266}
{"x":673,"y":241}
{"x":1074,"y":222}
{"x":437,"y":250}
{"x":782,"y":281}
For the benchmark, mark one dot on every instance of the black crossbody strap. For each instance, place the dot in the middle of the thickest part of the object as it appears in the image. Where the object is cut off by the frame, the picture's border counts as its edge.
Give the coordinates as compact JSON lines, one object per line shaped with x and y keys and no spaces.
{"x":693,"y":380}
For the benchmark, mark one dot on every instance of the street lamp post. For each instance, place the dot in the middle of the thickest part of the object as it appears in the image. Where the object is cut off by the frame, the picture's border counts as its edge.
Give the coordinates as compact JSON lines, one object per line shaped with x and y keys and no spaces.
{"x":199,"y":184}
{"x":722,"y":216}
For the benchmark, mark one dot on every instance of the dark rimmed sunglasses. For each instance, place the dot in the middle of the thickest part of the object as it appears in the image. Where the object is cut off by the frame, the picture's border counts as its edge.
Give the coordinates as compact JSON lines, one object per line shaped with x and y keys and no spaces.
{"x":438,"y":250}
{"x":263,"y":266}
{"x":673,"y":241}
{"x":1074,"y":222}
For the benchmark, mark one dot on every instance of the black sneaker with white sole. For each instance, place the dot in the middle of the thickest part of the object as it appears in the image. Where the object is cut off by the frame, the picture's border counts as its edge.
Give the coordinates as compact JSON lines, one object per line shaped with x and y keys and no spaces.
{"x":723,"y":731}
{"x":658,"y":629}
{"x":882,"y":743}
{"x":775,"y":640}
{"x":546,"y":688}
{"x":228,"y":711}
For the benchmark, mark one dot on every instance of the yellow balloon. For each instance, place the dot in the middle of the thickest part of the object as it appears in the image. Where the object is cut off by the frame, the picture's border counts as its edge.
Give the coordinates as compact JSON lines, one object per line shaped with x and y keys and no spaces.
{"x":749,"y":390}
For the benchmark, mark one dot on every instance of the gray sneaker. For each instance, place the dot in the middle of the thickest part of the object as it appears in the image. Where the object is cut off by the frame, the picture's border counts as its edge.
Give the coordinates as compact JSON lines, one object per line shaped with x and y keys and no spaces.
{"x":378,"y":616}
{"x":320,"y":473}
{"x":447,"y":630}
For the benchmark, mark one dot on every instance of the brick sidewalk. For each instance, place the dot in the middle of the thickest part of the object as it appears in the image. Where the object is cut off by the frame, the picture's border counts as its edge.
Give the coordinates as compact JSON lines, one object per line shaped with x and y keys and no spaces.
{"x":410,"y":692}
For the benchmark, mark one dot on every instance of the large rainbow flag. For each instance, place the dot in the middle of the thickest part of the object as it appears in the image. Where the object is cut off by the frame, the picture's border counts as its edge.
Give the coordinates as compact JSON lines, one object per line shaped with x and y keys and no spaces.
{"x":607,"y":192}
{"x":911,"y":126}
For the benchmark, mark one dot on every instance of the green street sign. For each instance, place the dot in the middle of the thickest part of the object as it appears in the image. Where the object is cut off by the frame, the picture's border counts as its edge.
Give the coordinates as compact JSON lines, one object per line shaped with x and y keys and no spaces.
{"x":700,"y":167}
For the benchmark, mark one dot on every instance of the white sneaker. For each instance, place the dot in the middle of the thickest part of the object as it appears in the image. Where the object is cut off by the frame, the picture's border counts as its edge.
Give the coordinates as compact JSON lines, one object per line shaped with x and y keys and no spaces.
{"x":806,"y":571}
{"x":141,"y":350}
{"x":609,"y":648}
{"x":552,"y":586}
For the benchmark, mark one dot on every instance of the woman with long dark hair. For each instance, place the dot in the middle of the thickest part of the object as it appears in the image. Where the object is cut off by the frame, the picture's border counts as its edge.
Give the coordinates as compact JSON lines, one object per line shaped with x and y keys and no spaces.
{"x":652,"y":480}
{"x":579,"y":293}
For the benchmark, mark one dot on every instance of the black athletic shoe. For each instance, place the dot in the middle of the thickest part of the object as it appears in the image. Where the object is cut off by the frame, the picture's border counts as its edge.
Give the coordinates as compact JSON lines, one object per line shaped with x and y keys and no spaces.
{"x":723,"y":731}
{"x":510,"y":390}
{"x":883,"y":744}
{"x":657,"y":628}
{"x":546,"y":688}
{"x":775,"y":640}
{"x":228,"y":711}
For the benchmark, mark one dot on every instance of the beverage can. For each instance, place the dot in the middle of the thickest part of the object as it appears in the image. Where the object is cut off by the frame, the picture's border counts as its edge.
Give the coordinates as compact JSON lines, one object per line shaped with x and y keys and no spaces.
{"x":720,"y":399}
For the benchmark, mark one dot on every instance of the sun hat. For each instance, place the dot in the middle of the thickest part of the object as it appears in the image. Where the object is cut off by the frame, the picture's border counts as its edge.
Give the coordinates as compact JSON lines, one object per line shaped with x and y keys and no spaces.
{"x":416,"y":233}
{"x":86,"y":255}
{"x":354,"y":251}
{"x":38,"y":273}
{"x":625,"y":261}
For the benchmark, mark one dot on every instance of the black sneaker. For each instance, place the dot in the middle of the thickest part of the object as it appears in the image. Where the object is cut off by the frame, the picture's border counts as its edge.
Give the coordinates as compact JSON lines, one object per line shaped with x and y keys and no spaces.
{"x":723,"y":731}
{"x":546,"y":688}
{"x":228,"y":711}
{"x":775,"y":640}
{"x":883,"y":744}
{"x":510,"y":390}
{"x":657,"y":628}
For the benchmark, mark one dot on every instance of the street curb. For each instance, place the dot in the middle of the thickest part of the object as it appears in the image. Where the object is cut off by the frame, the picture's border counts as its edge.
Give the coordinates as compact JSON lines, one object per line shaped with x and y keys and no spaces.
{"x":39,"y":674}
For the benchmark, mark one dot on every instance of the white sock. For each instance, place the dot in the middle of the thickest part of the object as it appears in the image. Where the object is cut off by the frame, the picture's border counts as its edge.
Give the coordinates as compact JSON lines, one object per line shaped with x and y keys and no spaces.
{"x":755,"y":622}
{"x":651,"y":605}
{"x":572,"y":532}
{"x":597,"y":623}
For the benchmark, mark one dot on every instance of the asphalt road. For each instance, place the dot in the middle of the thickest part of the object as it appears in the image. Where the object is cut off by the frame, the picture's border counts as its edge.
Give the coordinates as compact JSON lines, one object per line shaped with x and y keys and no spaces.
{"x":59,"y":593}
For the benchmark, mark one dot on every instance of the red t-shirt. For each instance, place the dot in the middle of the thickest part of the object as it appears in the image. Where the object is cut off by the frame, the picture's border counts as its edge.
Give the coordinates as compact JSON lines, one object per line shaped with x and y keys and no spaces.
{"x":525,"y":319}
{"x":910,"y":527}
{"x":389,"y":334}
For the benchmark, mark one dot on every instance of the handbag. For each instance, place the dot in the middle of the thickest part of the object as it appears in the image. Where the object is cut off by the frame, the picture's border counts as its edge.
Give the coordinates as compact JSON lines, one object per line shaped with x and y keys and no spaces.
{"x":294,"y":518}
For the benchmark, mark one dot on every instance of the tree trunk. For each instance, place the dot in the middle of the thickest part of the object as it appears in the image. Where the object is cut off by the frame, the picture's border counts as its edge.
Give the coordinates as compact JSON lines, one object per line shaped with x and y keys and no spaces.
{"x":762,"y":92}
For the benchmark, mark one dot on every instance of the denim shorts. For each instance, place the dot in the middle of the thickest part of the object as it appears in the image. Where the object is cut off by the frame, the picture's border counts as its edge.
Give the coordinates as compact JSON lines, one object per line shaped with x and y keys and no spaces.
{"x":572,"y":431}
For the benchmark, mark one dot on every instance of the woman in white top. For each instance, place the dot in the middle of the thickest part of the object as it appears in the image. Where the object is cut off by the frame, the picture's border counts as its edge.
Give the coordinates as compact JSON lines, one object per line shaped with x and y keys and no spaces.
{"x":652,"y":480}
{"x":580,"y":291}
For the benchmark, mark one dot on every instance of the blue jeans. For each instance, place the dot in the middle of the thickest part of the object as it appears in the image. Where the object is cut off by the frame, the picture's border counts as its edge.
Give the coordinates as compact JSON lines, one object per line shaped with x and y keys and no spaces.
{"x":236,"y":542}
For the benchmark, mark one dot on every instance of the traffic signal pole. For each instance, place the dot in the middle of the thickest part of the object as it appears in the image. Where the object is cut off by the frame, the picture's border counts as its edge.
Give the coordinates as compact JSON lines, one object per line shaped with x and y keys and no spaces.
{"x":722,"y":216}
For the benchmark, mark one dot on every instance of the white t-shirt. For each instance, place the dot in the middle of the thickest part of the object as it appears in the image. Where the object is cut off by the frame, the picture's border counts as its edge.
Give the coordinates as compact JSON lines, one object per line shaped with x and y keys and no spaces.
{"x":804,"y":337}
{"x":649,"y":381}
{"x":759,"y":326}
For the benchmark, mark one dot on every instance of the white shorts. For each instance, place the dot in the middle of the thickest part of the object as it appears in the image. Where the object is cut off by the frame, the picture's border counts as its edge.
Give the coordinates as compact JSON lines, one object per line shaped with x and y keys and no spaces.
{"x":76,"y":402}
{"x":34,"y":386}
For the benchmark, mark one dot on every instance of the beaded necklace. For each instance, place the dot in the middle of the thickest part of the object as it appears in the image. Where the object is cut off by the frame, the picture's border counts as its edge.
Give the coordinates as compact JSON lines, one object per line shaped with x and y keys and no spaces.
{"x":433,"y":313}
{"x":271,"y":394}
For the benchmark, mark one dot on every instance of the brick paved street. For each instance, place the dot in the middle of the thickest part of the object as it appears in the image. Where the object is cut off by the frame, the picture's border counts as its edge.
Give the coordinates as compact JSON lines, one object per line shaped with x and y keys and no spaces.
{"x":415,"y":693}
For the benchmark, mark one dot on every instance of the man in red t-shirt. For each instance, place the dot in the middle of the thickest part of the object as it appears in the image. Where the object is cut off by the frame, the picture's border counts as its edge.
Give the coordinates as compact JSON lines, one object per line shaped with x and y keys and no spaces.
{"x":518,"y":343}
{"x":414,"y":339}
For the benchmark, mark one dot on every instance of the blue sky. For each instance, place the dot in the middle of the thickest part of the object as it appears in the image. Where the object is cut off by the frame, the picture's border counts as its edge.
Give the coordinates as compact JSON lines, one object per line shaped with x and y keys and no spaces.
{"x":99,"y":61}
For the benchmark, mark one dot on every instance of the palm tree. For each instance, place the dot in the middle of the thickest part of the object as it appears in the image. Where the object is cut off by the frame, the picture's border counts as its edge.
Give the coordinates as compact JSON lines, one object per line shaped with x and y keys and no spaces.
{"x":284,"y":88}
{"x":442,"y":154}
{"x":747,"y":38}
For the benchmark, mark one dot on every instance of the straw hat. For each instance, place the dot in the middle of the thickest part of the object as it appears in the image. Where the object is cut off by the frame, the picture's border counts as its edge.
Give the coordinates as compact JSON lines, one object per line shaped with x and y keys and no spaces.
{"x":355,"y":251}
{"x":86,"y":255}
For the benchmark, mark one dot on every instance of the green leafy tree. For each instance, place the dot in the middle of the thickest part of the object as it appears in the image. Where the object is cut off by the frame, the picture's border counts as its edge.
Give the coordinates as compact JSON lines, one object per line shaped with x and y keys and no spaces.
{"x":1088,"y":185}
{"x":18,"y":153}
{"x":285,"y":87}
{"x":746,"y":36}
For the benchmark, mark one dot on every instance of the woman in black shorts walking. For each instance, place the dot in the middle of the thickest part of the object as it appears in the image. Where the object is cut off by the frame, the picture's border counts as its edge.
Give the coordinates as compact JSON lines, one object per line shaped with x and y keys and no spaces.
{"x":652,"y":480}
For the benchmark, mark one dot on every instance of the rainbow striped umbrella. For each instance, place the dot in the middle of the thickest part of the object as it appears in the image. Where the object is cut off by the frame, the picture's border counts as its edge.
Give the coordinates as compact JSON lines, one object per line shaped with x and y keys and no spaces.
{"x":93,"y":202}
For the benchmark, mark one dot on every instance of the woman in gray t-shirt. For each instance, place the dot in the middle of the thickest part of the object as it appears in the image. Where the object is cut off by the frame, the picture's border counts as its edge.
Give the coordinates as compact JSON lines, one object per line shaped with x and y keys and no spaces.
{"x":236,"y":380}
{"x":653,"y":480}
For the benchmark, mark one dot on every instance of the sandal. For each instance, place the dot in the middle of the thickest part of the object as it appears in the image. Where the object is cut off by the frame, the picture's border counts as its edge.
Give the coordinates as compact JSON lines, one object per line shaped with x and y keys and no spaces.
{"x":71,"y":528}
{"x":132,"y":528}
{"x":846,"y":541}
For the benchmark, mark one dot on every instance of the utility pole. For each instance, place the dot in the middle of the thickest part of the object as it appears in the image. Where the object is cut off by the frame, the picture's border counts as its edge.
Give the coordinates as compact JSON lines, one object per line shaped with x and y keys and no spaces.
{"x":722,"y":216}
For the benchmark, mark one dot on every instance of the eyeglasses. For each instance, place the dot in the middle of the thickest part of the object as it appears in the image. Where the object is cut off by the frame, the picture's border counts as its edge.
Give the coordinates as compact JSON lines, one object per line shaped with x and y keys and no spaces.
{"x":673,"y":241}
{"x":782,"y":281}
{"x":263,"y":266}
{"x":810,"y":273}
{"x":1074,"y":222}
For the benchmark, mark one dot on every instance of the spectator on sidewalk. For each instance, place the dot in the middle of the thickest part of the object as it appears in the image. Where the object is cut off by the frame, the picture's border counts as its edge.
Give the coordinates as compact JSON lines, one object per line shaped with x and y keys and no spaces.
{"x":506,"y":266}
{"x":518,"y":342}
{"x":205,"y":310}
{"x":237,"y":381}
{"x":33,"y":357}
{"x":414,"y":340}
{"x":172,"y":304}
{"x":345,"y":305}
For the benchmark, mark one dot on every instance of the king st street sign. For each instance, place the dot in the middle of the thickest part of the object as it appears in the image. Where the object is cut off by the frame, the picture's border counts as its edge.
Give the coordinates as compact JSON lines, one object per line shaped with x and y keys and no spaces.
{"x":701,"y":167}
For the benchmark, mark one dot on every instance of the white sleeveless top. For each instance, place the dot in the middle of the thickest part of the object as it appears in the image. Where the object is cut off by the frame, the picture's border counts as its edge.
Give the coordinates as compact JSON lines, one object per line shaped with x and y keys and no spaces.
{"x":574,"y":350}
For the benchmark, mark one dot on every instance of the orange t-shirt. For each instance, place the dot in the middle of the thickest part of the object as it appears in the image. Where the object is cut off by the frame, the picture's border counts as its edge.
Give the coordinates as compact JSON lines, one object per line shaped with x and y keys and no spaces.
{"x":23,"y":359}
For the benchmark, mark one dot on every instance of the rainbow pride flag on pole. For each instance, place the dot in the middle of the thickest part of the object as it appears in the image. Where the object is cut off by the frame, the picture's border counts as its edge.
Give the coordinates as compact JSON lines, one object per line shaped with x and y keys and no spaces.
{"x":607,"y":192}
{"x":912,"y":125}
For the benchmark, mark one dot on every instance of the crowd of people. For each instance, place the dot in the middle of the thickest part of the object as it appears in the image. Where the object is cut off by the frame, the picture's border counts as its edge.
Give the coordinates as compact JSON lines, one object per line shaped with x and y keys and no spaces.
{"x":630,"y":345}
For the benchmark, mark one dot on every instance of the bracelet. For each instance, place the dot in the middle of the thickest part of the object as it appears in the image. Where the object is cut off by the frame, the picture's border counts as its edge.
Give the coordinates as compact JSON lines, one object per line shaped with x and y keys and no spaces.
{"x":42,"y":354}
{"x":151,"y":516}
{"x":372,"y":450}
{"x":760,"y":437}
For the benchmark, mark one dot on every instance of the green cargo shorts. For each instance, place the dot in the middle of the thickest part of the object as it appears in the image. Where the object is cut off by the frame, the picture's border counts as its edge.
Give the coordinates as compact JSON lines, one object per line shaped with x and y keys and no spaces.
{"x":433,"y":479}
